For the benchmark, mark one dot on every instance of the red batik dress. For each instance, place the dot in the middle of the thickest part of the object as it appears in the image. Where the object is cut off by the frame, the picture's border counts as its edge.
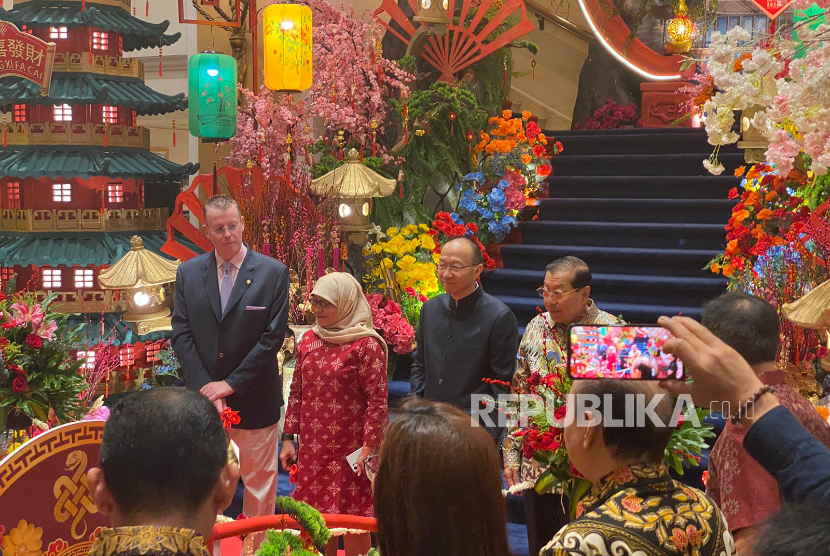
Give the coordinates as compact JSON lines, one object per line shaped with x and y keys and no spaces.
{"x":337,"y":403}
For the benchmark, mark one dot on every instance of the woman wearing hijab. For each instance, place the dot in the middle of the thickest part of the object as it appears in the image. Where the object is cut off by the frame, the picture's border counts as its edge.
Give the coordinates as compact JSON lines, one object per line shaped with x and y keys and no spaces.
{"x":338,"y":400}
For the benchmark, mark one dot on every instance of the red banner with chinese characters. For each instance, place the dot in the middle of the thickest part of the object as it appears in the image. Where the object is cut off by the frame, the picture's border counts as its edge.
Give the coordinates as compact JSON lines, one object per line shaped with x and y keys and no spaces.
{"x":773,"y":8}
{"x":26,"y":56}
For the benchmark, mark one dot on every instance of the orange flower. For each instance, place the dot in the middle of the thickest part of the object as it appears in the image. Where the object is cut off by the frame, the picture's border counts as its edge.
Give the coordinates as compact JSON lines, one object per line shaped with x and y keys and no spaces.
{"x":778,"y":240}
{"x":738,"y":217}
{"x":739,"y":63}
{"x":754,"y":172}
{"x":506,"y":114}
{"x":715,"y":267}
{"x":770,"y":196}
{"x":525,"y":115}
{"x":739,"y":171}
{"x":542,"y":139}
{"x":728,"y":270}
{"x":753,"y":198}
{"x":521,"y":137}
{"x":758,"y":232}
{"x":764,"y":214}
{"x":732,"y":247}
{"x":526,"y":158}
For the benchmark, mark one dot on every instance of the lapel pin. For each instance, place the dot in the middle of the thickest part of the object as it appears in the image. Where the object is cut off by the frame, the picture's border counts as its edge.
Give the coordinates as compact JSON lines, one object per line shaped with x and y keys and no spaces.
{"x":249,"y":281}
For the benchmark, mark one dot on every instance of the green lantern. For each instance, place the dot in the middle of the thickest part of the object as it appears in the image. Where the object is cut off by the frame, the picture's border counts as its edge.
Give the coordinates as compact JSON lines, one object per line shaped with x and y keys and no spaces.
{"x":798,"y":17}
{"x":212,"y":96}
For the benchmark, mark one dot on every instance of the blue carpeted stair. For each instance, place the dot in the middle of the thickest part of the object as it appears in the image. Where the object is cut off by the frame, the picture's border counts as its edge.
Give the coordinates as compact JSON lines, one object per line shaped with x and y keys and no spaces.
{"x":640,"y":209}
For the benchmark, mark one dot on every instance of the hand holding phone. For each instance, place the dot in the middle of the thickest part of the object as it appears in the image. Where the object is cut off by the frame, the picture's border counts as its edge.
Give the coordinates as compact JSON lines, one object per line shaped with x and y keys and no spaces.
{"x":616,"y":351}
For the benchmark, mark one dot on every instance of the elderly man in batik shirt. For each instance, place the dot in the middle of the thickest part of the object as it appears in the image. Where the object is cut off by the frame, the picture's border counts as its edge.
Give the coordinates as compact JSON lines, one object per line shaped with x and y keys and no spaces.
{"x":634,"y":506}
{"x":566,"y":294}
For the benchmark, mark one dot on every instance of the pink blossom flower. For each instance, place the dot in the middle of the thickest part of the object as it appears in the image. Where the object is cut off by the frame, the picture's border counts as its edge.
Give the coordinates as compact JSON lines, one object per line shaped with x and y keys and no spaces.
{"x":102,"y":414}
{"x":47,"y":329}
{"x":23,"y":314}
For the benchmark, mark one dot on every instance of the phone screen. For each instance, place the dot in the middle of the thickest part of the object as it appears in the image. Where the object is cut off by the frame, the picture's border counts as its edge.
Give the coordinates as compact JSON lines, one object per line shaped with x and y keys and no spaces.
{"x":633,"y":352}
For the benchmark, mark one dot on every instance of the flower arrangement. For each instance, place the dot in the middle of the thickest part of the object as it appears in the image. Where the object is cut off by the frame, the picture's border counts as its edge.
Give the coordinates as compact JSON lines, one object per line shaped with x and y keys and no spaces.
{"x":515,"y":167}
{"x":390,"y":321}
{"x":166,"y":371}
{"x":767,"y":214}
{"x":779,"y":80}
{"x":403,"y":258}
{"x":610,"y":116}
{"x":447,"y":226}
{"x":39,"y":377}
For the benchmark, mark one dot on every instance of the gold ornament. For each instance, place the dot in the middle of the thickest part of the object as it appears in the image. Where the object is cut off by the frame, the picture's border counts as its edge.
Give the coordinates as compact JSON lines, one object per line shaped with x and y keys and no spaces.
{"x":680,"y":30}
{"x":419,"y":132}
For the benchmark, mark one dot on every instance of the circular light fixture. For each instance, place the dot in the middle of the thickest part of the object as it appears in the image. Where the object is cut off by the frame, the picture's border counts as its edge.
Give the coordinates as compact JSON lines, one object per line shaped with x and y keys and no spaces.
{"x":365,"y":209}
{"x":344,"y":210}
{"x":141,"y":299}
{"x":286,"y":25}
{"x":426,"y":4}
{"x":213,"y":72}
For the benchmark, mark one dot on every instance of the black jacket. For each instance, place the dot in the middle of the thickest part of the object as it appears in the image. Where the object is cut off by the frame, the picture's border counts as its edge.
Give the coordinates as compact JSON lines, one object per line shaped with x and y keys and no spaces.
{"x":459,"y":344}
{"x":240,"y":347}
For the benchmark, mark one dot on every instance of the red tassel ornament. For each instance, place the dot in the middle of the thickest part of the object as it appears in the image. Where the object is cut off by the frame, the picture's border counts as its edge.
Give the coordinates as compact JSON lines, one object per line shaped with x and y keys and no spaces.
{"x":174,"y":132}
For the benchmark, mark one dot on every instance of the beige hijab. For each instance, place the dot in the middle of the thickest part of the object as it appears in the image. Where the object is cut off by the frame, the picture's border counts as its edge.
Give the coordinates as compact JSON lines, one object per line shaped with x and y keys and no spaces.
{"x":354,"y":315}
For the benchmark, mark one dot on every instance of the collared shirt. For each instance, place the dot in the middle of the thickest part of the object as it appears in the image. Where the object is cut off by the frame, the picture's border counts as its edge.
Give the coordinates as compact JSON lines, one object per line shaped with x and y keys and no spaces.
{"x":148,"y":540}
{"x":736,"y":481}
{"x":543,"y":345}
{"x":462,"y":343}
{"x":640,"y":509}
{"x":236,"y":264}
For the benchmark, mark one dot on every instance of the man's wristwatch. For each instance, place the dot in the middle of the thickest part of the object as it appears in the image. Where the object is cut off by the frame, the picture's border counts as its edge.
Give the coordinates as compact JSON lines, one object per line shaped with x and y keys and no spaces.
{"x":289,"y":437}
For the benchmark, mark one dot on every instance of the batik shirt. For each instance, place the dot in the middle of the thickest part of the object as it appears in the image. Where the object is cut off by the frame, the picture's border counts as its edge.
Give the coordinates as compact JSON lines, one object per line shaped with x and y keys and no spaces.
{"x":640,"y":510}
{"x":149,"y":541}
{"x":737,"y":483}
{"x":540,"y":351}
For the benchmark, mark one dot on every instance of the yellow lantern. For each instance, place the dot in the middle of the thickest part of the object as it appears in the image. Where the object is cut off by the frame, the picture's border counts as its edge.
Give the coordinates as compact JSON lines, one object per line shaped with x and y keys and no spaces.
{"x":287,"y":44}
{"x":680,"y":30}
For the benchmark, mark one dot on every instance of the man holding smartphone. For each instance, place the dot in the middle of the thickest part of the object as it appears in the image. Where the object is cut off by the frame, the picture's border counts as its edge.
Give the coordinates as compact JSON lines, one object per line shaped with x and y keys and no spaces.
{"x":567,"y":297}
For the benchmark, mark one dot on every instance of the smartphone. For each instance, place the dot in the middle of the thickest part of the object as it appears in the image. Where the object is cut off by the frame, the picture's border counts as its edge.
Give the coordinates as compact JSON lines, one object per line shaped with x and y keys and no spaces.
{"x":622,"y":351}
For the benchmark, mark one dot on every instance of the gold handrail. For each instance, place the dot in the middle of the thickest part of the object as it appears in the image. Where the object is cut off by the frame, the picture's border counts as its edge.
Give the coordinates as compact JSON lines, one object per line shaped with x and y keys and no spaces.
{"x":546,"y":13}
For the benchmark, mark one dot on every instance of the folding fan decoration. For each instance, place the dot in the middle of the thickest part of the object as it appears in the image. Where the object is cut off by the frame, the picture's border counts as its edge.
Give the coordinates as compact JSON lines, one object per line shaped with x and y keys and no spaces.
{"x":466,"y":41}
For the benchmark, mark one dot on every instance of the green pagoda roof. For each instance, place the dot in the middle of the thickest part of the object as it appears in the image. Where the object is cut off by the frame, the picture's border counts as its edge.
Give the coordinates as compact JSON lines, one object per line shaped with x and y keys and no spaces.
{"x":115,"y":330}
{"x":86,"y":161}
{"x":73,"y":248}
{"x":91,"y":88}
{"x":137,"y":33}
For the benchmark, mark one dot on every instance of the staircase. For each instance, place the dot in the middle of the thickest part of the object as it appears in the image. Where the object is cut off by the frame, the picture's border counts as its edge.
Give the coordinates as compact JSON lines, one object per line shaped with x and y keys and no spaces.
{"x":640,"y":209}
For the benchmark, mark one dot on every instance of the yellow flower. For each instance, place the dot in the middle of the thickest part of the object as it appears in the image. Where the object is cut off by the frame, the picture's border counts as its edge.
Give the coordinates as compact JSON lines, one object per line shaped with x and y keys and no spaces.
{"x":406,"y":263}
{"x":427,"y":242}
{"x":23,"y":540}
{"x":436,"y":257}
{"x":423,"y":227}
{"x":376,"y":248}
{"x":410,"y":229}
{"x":393,"y":231}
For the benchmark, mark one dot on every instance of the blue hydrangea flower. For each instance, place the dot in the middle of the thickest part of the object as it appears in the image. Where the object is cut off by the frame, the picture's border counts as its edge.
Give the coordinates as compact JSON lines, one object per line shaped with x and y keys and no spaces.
{"x":477,"y":176}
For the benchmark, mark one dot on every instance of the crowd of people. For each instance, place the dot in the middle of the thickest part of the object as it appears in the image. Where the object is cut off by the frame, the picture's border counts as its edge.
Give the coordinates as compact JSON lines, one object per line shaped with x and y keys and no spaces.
{"x":431,"y":479}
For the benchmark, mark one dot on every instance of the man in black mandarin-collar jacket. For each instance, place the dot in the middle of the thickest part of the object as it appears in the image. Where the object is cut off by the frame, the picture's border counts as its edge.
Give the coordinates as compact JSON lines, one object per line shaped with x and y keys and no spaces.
{"x":465,"y":336}
{"x":229,"y":321}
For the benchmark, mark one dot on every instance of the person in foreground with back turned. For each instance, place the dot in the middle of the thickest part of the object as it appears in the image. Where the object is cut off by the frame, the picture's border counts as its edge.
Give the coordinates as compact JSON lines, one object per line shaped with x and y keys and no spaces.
{"x":438,"y":486}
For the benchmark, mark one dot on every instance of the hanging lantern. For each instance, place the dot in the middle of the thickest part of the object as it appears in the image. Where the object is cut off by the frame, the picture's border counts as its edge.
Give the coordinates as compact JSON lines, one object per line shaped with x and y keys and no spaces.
{"x":680,"y":30}
{"x":287,"y":44}
{"x":212,"y":96}
{"x":433,"y":11}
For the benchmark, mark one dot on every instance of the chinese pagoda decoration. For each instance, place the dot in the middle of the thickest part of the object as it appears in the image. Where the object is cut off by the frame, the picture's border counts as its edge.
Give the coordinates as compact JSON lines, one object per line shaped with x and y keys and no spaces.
{"x":77,"y":177}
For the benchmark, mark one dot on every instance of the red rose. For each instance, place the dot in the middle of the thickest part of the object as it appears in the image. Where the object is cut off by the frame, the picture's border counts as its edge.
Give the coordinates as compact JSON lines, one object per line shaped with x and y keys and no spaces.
{"x":560,"y":413}
{"x":532,"y":130}
{"x":559,"y":147}
{"x":733,"y":193}
{"x":2,"y":298}
{"x":442,"y":226}
{"x":543,"y":169}
{"x":473,"y":227}
{"x":19,"y":384}
{"x":459,"y":230}
{"x":3,"y":342}
{"x":17,"y":369}
{"x":443,"y":215}
{"x":34,"y":341}
{"x":539,"y":151}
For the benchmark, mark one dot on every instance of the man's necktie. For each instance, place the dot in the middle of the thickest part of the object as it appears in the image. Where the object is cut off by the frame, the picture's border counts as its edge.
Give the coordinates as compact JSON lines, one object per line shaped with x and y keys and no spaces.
{"x":226,"y":286}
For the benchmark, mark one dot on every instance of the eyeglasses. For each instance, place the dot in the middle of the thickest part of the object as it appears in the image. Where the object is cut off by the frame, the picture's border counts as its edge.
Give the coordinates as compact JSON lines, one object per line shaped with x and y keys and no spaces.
{"x":319,"y":303}
{"x":372,"y":464}
{"x":452,"y":269}
{"x":221,"y":231}
{"x":556,"y":294}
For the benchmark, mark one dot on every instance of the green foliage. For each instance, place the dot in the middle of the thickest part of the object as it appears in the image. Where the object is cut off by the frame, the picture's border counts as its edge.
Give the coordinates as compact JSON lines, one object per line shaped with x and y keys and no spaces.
{"x":309,"y":519}
{"x":53,"y":376}
{"x":815,"y":192}
{"x":687,"y":441}
{"x":167,"y":369}
{"x":435,"y":160}
{"x":280,"y":543}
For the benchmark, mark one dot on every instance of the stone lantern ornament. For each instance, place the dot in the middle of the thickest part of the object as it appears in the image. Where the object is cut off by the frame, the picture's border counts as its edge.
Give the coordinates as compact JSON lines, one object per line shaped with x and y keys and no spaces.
{"x":353,"y":185}
{"x":148,"y":281}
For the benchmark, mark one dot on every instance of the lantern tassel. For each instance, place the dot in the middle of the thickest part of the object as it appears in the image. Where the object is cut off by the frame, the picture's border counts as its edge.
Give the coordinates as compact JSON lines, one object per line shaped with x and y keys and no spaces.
{"x":147,"y":9}
{"x":106,"y":128}
{"x":505,"y":74}
{"x":83,"y":5}
{"x":5,"y":133}
{"x":174,"y":132}
{"x":374,"y":148}
{"x":161,"y":71}
{"x":361,"y":154}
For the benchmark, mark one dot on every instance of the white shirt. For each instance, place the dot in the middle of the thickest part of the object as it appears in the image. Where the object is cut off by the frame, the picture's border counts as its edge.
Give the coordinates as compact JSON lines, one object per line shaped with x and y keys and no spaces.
{"x":236,"y":264}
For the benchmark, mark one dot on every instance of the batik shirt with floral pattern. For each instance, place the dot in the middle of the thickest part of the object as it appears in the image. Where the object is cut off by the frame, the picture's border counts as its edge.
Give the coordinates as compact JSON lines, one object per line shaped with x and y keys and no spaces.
{"x":147,"y":540}
{"x":640,"y":510}
{"x":542,"y":347}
